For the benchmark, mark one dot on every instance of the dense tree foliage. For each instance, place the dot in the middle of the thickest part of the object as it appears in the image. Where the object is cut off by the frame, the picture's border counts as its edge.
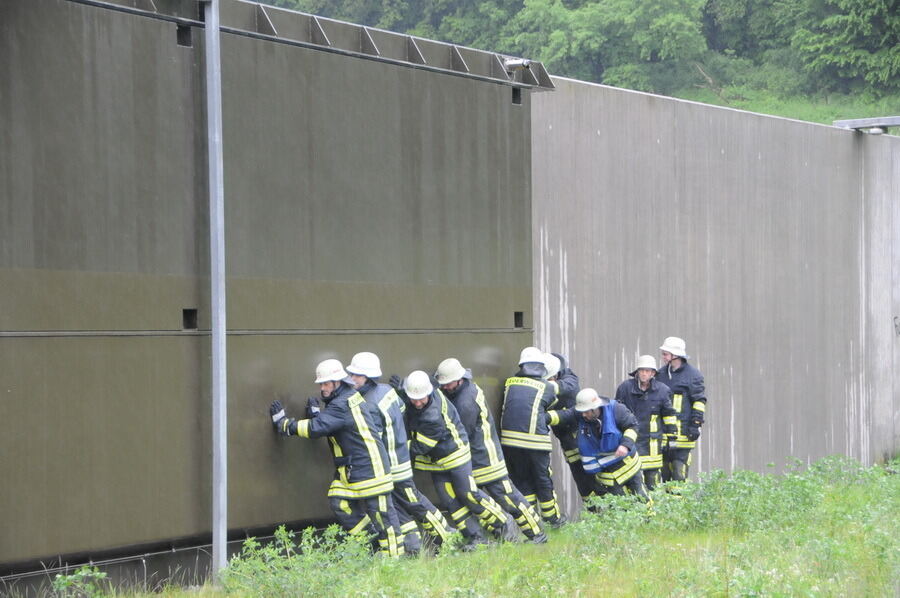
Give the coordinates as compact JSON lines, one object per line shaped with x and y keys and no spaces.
{"x":729,"y":48}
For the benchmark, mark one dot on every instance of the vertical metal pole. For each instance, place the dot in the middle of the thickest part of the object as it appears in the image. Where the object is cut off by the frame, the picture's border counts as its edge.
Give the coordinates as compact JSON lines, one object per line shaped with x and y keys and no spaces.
{"x":217,"y":288}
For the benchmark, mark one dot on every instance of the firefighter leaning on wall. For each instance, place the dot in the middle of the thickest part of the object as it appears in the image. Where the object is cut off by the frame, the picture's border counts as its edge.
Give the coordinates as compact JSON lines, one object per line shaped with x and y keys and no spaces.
{"x":650,"y":402}
{"x":689,"y":402}
{"x":439,"y":444}
{"x":488,"y":466}
{"x":525,"y":433}
{"x":360,"y":494}
{"x":607,"y":431}
{"x":412,"y":506}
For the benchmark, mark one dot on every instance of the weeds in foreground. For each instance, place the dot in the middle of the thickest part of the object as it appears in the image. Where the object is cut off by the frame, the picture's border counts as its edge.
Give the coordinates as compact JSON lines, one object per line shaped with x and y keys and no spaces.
{"x":827,"y":530}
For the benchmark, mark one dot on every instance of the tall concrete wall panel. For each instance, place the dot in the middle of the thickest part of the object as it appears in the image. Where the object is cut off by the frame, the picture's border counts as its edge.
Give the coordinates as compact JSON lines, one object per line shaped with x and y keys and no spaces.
{"x":369,"y":206}
{"x":770,"y":245}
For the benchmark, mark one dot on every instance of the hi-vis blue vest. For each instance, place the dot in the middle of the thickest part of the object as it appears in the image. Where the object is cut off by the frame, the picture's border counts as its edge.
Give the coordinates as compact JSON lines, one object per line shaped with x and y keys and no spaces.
{"x":598,"y":443}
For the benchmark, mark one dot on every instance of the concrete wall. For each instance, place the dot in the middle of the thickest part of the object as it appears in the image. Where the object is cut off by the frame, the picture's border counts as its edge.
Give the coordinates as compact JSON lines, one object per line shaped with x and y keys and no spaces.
{"x":772,"y":246}
{"x":369,"y":206}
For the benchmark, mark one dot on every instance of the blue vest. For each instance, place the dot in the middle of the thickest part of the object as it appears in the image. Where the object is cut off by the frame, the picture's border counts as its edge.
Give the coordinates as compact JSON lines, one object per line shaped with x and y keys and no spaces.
{"x":598,"y":443}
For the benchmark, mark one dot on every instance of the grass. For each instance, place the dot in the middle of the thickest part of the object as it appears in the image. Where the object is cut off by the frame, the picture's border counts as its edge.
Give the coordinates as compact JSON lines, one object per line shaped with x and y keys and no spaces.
{"x":828,"y":530}
{"x":823,"y":110}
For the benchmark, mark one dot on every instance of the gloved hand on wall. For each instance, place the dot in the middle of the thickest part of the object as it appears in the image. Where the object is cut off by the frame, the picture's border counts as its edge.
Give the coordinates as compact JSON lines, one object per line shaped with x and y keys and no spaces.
{"x":313,"y":407}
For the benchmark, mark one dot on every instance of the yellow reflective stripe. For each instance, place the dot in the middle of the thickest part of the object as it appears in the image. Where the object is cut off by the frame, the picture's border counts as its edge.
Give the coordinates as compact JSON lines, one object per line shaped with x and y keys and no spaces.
{"x":535,"y":384}
{"x":651,"y":461}
{"x":449,"y":422}
{"x":486,"y":426}
{"x":390,"y":438}
{"x":403,"y":472}
{"x":679,"y":443}
{"x":489,"y":473}
{"x":411,"y":495}
{"x":355,"y":402}
{"x":335,"y":447}
{"x":345,"y":507}
{"x":676,"y":402}
{"x":460,"y":514}
{"x":537,"y":442}
{"x":535,"y":410}
{"x":669,"y":420}
{"x":630,"y":433}
{"x":303,"y":428}
{"x":554,"y":417}
{"x":429,"y":442}
{"x":654,"y":423}
{"x":341,"y":488}
{"x":361,"y":526}
{"x":409,"y":526}
{"x":699,"y":406}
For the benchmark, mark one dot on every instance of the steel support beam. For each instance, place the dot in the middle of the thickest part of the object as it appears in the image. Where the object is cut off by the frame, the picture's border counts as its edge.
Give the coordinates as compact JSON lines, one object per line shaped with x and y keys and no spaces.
{"x":217,"y":288}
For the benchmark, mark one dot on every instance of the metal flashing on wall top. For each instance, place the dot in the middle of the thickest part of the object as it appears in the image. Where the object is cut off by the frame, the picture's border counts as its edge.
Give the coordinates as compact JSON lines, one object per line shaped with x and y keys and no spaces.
{"x":281,"y":25}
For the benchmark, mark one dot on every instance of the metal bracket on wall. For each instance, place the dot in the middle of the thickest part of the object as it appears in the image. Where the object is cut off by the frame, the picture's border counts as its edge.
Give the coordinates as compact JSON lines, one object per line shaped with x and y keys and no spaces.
{"x":263,"y":22}
{"x":317,"y":33}
{"x":250,"y":19}
{"x":872,"y":126}
{"x":367,"y":44}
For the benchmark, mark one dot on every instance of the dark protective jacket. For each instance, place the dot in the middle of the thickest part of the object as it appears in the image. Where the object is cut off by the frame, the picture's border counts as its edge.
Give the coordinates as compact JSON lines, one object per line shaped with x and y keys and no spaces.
{"x":688,"y":401}
{"x":394,"y":435}
{"x":437,"y":438}
{"x":487,"y":455}
{"x":653,"y":410}
{"x":621,"y":470}
{"x":353,"y":428}
{"x":569,"y":385}
{"x":526,"y":418}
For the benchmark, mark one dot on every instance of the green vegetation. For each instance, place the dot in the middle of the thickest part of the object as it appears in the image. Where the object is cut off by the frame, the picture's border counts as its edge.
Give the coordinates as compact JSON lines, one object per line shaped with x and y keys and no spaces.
{"x":816,"y":60}
{"x":829,"y":530}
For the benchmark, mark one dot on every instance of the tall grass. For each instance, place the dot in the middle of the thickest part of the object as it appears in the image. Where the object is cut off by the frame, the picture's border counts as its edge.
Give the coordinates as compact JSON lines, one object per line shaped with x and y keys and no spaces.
{"x":828,"y":530}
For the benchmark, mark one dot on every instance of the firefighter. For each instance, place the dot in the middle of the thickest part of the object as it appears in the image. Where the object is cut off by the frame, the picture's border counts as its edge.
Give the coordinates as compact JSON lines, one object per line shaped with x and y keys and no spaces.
{"x":412,"y":506}
{"x":607,"y":431}
{"x":525,"y":423}
{"x":689,"y":402}
{"x":488,"y":466}
{"x":650,"y":402}
{"x":439,"y":444}
{"x":360,"y":494}
{"x":568,"y":386}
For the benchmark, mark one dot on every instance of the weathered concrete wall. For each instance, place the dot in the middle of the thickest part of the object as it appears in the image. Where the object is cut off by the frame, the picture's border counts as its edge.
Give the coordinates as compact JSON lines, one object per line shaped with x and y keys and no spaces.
{"x":770,"y":245}
{"x":369,"y":206}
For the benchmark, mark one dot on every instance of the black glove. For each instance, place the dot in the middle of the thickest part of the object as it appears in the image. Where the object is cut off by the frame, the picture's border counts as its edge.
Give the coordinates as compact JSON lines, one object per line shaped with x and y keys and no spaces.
{"x":276,"y":412}
{"x":693,"y":431}
{"x":396,"y":382}
{"x":313,"y":407}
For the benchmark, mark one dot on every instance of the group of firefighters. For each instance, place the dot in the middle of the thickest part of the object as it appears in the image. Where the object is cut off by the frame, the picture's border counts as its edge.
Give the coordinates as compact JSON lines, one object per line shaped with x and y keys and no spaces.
{"x":491,"y":482}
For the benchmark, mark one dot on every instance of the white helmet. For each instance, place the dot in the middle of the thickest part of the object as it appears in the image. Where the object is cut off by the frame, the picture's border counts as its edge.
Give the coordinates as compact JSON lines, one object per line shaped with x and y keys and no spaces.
{"x":587,"y":399}
{"x":531,"y":355}
{"x":675,"y":346}
{"x":418,"y":385}
{"x":551,"y":364}
{"x":647,"y":362}
{"x":449,"y":370}
{"x":365,"y":364}
{"x":330,"y":370}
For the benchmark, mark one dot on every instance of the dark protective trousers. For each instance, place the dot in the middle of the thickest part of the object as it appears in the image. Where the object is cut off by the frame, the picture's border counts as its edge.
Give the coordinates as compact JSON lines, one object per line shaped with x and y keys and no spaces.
{"x":413,"y":508}
{"x":530,"y":472}
{"x":651,"y":478}
{"x":374,"y":515}
{"x":676,"y":462}
{"x":514,"y":502}
{"x":585,"y":482}
{"x":460,"y":497}
{"x":633,"y":485}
